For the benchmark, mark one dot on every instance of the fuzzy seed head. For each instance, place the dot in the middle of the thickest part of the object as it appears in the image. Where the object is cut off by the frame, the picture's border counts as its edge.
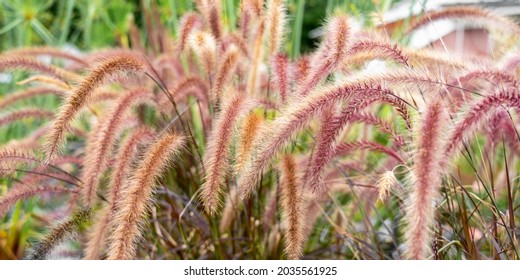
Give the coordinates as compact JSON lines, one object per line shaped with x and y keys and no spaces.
{"x":137,"y":198}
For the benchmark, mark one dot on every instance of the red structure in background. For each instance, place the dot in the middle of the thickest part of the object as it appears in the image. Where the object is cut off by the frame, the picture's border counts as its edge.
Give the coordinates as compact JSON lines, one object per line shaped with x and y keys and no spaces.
{"x":456,"y":37}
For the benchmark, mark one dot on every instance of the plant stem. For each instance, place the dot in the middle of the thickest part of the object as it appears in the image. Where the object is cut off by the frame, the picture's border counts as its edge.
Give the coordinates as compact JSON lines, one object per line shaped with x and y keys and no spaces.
{"x":65,"y":27}
{"x":297,"y":29}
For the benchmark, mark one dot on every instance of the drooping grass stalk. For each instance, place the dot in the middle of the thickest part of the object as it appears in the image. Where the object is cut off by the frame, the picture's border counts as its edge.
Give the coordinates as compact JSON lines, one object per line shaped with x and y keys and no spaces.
{"x":97,"y":158}
{"x":14,"y":195}
{"x":97,"y":77}
{"x":275,"y":25}
{"x":257,"y":55}
{"x":229,"y":213}
{"x":430,"y":58}
{"x":216,"y":159}
{"x":225,"y":71}
{"x":138,"y":196}
{"x":473,"y":14}
{"x":29,"y":143}
{"x":30,"y":64}
{"x":190,"y":85}
{"x":477,"y":112}
{"x":291,"y":193}
{"x":59,"y":85}
{"x":189,"y":23}
{"x":9,"y":118}
{"x":250,"y":128}
{"x":302,"y":69}
{"x":383,"y":126}
{"x":332,"y":51}
{"x":213,"y":17}
{"x":13,"y":158}
{"x":281,"y":76}
{"x":501,"y":123}
{"x":330,"y":129}
{"x":492,"y":76}
{"x":426,"y":181}
{"x":49,"y":51}
{"x":58,"y":234}
{"x":511,"y":62}
{"x":204,"y":45}
{"x":103,"y":225}
{"x":368,"y":47}
{"x":385,"y":184}
{"x":346,"y":148}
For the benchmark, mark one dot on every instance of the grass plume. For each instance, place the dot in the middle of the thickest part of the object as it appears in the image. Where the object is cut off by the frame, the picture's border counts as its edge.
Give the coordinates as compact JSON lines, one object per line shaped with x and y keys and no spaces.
{"x":96,"y":160}
{"x":98,"y":76}
{"x":122,"y":168}
{"x":138,"y":196}
{"x":291,"y":193}
{"x":59,"y":233}
{"x":216,"y":160}
{"x":473,"y":14}
{"x":426,"y":181}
